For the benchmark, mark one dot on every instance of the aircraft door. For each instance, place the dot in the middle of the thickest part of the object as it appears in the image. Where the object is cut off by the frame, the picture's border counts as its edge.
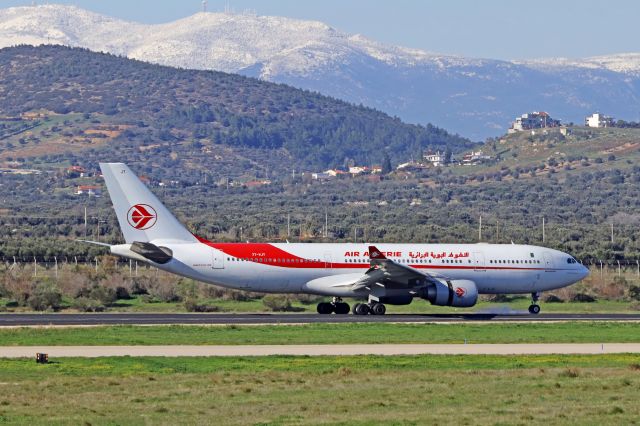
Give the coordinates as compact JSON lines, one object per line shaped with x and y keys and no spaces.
{"x":327,"y":260}
{"x":478,"y":262}
{"x":218,"y":260}
{"x":548,"y":260}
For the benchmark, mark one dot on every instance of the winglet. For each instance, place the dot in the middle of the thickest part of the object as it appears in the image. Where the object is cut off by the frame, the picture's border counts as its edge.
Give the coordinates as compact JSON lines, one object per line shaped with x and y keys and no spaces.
{"x":374,"y":253}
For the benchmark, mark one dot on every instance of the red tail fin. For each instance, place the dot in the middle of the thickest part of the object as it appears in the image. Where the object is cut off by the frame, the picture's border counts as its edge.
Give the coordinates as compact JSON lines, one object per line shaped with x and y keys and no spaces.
{"x":374,"y":253}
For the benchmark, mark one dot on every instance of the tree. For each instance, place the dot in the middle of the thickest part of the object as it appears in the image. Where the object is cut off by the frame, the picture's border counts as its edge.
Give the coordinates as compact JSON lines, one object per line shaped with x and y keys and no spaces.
{"x":386,"y":164}
{"x":447,"y":155}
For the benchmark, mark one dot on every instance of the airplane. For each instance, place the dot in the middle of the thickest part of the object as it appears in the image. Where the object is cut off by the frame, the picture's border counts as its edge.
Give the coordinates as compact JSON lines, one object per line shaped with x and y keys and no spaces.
{"x":391,"y":274}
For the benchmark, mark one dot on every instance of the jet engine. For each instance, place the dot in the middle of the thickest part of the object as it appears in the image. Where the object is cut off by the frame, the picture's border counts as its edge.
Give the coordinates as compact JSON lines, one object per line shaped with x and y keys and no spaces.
{"x":458,"y":293}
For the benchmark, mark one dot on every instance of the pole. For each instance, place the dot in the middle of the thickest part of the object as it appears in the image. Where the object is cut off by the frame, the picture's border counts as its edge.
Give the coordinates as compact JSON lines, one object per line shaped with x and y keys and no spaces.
{"x":35,"y":267}
{"x":355,"y":234}
{"x":480,"y":230}
{"x":601,"y":272}
{"x":96,"y":263}
{"x":497,"y":231}
{"x":130,"y":269}
{"x":55,"y":259}
{"x":544,"y":236}
{"x":612,"y":233}
{"x":85,"y":221}
{"x":619,"y":270}
{"x":288,"y":225}
{"x":326,"y":223}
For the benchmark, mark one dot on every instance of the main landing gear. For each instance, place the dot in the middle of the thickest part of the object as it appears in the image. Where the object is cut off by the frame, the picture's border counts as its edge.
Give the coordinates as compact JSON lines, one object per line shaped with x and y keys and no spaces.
{"x":337,"y":306}
{"x":534,"y":308}
{"x":373,"y":308}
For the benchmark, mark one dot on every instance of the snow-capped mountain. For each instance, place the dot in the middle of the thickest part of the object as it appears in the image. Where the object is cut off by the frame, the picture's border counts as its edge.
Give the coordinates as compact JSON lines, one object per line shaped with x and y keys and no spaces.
{"x":475,"y":97}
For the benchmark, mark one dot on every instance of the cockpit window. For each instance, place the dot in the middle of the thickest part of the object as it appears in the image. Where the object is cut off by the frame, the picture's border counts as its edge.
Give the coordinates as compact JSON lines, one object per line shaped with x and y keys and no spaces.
{"x":571,"y":260}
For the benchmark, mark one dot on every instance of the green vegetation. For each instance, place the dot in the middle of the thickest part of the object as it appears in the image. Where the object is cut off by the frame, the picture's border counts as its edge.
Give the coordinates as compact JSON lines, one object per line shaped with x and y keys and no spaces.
{"x":563,"y":332}
{"x":118,"y":289}
{"x":172,"y":112}
{"x":311,"y":390}
{"x":203,"y":134}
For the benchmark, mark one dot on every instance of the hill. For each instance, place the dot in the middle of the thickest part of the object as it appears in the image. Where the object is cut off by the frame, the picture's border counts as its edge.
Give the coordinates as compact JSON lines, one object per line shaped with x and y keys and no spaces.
{"x":475,"y":97}
{"x":58,"y":100}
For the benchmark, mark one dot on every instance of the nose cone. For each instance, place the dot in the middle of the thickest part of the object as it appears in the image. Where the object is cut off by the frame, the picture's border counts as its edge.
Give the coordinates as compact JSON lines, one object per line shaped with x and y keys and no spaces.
{"x":584,"y":272}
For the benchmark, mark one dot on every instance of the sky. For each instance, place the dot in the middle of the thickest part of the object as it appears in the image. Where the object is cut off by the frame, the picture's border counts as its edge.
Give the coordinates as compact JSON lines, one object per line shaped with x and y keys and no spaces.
{"x":498,"y":29}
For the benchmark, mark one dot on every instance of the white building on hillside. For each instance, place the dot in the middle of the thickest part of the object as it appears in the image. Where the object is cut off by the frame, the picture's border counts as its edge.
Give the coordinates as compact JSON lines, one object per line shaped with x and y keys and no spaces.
{"x":533,"y":120}
{"x":437,"y":159}
{"x":598,"y":120}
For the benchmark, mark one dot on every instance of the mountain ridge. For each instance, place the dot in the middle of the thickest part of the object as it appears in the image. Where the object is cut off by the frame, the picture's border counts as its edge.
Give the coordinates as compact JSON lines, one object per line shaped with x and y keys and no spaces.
{"x":189,"y":113}
{"x":472,"y":96}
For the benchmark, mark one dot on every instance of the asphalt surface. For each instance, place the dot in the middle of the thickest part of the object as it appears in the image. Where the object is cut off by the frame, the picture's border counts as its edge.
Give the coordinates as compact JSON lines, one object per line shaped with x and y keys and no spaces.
{"x":7,"y":320}
{"x":319,"y":350}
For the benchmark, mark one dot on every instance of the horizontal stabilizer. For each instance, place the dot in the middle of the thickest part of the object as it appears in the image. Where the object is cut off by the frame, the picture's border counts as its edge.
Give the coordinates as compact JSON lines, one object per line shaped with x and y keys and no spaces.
{"x":152,"y":252}
{"x":95,"y":243}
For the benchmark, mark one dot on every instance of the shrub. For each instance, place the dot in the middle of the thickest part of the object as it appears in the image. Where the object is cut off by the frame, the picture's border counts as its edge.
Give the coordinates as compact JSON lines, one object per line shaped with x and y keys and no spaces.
{"x":122,"y":293}
{"x":85,"y":304}
{"x":192,"y":305}
{"x":164,"y":292}
{"x":187,"y":289}
{"x":583,"y":298}
{"x":277,"y":303}
{"x":138,"y":287}
{"x":634,"y":292}
{"x":552,"y":298}
{"x":308,"y":299}
{"x":104,"y":295}
{"x":46,"y":296}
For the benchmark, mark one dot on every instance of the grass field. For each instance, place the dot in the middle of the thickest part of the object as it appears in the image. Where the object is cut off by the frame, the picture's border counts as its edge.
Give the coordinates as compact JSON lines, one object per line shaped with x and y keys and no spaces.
{"x":565,"y":332}
{"x":330,"y":390}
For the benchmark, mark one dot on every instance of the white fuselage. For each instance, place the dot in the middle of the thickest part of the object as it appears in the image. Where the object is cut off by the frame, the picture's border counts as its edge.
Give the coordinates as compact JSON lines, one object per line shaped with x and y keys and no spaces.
{"x":289,"y":268}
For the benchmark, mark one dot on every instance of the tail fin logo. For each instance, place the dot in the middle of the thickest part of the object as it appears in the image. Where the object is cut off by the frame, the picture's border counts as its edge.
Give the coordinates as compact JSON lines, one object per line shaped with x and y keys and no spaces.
{"x":142,"y":216}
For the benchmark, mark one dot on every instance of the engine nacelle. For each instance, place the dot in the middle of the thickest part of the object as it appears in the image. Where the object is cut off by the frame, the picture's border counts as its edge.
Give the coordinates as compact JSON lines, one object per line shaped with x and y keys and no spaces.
{"x":458,"y":293}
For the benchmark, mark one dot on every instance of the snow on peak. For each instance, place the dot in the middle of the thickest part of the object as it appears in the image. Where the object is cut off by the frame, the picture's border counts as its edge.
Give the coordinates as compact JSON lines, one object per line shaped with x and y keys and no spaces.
{"x":206,"y":40}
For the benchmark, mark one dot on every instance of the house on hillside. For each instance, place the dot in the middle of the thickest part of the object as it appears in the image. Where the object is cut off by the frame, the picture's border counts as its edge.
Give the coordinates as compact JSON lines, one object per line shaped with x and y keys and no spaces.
{"x":411,"y":166}
{"x":321,"y":176}
{"x":90,"y":190}
{"x":598,"y":120}
{"x":257,"y":183}
{"x":474,"y":157}
{"x":335,"y":173}
{"x":533,"y":120}
{"x":76,"y":171}
{"x":438,"y":159}
{"x":358,"y":170}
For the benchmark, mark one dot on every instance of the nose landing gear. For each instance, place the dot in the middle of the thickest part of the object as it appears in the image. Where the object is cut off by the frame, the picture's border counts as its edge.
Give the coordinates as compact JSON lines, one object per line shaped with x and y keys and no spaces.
{"x":534,"y":308}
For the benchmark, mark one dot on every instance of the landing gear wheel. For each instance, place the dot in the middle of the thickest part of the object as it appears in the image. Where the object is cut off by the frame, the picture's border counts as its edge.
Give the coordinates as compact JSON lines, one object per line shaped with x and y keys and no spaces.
{"x":341,"y":308}
{"x":534,"y":309}
{"x":361,"y":309}
{"x":325,"y":308}
{"x":378,"y":309}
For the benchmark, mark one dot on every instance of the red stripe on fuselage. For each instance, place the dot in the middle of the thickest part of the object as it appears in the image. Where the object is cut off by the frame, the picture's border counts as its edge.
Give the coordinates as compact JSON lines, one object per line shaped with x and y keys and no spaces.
{"x":267,"y":254}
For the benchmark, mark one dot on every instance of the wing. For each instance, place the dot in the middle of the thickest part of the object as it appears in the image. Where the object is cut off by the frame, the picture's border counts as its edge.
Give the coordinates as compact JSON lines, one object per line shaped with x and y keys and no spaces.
{"x":390,"y":274}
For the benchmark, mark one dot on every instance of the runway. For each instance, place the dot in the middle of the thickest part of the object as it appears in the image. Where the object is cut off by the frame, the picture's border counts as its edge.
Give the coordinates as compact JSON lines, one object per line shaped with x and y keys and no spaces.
{"x":319,"y":350}
{"x":7,"y":320}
